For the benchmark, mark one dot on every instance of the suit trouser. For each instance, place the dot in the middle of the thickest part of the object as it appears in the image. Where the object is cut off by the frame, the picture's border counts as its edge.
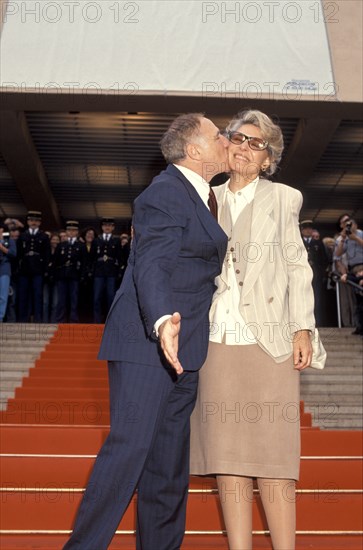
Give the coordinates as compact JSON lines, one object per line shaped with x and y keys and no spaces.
{"x":67,"y":291}
{"x":50,"y":300}
{"x":30,"y":289}
{"x":102,"y":285}
{"x":148,"y":449}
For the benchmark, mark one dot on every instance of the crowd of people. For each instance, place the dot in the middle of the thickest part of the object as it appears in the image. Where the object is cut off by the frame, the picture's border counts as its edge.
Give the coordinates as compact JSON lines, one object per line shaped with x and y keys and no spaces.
{"x":72,"y":275}
{"x":59,"y":277}
{"x":336,"y":260}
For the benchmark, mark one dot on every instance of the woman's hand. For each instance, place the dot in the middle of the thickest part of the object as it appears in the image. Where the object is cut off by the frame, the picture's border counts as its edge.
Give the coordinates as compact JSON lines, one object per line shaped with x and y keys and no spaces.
{"x":302,"y":349}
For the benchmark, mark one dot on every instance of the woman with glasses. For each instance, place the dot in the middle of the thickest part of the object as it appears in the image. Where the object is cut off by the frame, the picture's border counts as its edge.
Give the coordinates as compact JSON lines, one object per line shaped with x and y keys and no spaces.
{"x":246,"y":421}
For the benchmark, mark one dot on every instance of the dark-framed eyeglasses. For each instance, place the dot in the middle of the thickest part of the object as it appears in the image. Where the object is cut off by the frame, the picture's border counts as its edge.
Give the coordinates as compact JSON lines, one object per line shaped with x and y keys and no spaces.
{"x":255,"y":143}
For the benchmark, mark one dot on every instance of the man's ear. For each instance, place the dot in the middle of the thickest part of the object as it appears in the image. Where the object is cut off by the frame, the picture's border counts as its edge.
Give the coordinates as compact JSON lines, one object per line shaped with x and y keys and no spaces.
{"x":193,"y":151}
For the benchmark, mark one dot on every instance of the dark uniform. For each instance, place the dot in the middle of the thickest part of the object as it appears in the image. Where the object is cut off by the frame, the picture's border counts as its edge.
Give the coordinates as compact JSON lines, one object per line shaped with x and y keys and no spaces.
{"x":319,"y":263}
{"x":33,"y":254}
{"x":86,"y":288}
{"x":69,"y":260}
{"x":12,"y":309}
{"x":106,"y":254}
{"x":7,"y":251}
{"x":125,"y":253}
{"x":50,"y":292}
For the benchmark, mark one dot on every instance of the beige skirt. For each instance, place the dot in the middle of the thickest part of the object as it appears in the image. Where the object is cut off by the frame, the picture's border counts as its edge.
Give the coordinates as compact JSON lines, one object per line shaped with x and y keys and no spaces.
{"x":246,"y":420}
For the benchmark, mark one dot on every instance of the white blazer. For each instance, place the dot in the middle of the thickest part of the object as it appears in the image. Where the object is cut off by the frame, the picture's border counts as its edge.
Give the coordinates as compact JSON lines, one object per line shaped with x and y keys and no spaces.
{"x":276,"y":295}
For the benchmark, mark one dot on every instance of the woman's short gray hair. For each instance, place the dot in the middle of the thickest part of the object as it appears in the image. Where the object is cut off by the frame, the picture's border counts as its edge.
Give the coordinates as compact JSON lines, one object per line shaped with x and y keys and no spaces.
{"x":271,"y":132}
{"x":178,"y":135}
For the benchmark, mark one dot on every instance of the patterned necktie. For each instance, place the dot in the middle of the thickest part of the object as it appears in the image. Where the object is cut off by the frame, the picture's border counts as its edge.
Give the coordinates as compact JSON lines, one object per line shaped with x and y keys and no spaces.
{"x":212,"y":203}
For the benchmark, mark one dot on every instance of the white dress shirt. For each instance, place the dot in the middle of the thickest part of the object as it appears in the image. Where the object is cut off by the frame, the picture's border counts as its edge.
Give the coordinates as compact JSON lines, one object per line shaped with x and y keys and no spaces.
{"x":227,"y":324}
{"x":200,"y":184}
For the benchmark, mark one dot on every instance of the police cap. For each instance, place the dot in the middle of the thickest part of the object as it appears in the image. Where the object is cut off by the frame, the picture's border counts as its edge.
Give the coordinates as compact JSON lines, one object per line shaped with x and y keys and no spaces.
{"x":306,"y":223}
{"x":105,"y":221}
{"x":34,"y":215}
{"x":72,"y":224}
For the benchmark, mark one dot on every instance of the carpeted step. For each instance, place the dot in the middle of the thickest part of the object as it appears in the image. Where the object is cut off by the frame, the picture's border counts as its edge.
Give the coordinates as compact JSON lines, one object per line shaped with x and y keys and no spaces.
{"x":62,"y":382}
{"x":71,"y":411}
{"x":48,"y":439}
{"x":64,"y":470}
{"x":191,"y":542}
{"x":55,"y":508}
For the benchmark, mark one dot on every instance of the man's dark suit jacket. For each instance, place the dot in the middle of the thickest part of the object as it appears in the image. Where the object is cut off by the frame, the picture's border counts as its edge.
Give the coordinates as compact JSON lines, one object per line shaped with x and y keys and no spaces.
{"x":177,"y":251}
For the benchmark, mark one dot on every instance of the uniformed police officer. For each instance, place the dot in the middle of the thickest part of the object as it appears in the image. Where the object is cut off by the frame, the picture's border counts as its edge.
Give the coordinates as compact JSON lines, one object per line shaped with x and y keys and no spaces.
{"x":106,"y":253}
{"x":125,"y":253}
{"x":69,"y":259}
{"x":319,"y":262}
{"x":33,"y":253}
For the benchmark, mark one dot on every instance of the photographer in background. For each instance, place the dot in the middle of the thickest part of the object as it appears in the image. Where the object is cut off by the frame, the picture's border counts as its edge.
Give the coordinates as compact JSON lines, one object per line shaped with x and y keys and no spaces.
{"x":7,"y":251}
{"x":349,"y":244}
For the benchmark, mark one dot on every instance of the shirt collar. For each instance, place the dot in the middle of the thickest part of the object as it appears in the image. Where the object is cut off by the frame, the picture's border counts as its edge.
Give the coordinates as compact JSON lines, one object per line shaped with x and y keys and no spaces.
{"x":247,"y":192}
{"x":200,"y":184}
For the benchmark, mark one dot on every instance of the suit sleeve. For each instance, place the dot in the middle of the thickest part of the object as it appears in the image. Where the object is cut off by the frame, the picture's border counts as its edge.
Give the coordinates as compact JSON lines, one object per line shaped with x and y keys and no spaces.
{"x":301,"y":297}
{"x":159,"y":221}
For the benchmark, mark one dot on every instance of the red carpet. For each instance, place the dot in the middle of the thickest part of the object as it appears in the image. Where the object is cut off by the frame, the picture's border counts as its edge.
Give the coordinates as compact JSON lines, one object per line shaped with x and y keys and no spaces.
{"x":58,"y":420}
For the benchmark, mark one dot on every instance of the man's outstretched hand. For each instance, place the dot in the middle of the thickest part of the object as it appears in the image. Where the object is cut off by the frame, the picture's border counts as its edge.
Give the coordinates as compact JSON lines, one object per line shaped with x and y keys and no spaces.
{"x":169,"y":340}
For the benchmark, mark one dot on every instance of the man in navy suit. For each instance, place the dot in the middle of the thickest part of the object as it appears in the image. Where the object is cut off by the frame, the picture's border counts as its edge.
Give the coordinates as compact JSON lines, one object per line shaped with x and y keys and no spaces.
{"x":155,"y":340}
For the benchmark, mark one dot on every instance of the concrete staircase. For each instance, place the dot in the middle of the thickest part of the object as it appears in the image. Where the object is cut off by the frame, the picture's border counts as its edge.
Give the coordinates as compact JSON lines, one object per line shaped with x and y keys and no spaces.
{"x":20,"y":346}
{"x":334,"y":396}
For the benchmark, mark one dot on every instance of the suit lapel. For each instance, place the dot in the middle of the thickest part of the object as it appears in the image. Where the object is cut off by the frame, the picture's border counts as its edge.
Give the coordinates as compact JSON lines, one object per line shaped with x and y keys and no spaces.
{"x":209,"y":223}
{"x":263,"y":229}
